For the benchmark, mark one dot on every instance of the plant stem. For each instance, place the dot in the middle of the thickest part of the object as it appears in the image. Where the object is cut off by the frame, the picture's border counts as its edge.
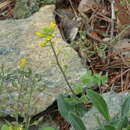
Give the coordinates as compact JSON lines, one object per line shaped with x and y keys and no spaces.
{"x":29,"y":106}
{"x":19,"y":97}
{"x":62,"y":71}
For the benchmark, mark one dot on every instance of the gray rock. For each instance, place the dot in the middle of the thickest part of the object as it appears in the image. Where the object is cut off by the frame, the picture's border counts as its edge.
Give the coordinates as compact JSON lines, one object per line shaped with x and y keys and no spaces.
{"x":70,"y":28}
{"x":114,"y":102}
{"x":18,"y":40}
{"x":69,"y":24}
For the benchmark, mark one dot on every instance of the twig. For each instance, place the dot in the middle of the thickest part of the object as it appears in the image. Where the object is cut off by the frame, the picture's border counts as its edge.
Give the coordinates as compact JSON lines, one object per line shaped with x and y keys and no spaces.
{"x":122,"y":80}
{"x":112,"y":17}
{"x":73,"y":8}
{"x":118,"y":76}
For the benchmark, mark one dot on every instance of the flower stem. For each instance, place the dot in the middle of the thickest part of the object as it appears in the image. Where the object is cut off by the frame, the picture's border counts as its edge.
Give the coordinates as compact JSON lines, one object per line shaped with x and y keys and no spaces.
{"x":62,"y":71}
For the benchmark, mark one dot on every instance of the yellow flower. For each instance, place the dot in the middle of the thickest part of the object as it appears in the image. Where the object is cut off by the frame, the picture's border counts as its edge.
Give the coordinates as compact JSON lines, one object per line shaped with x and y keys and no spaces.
{"x":43,"y":44}
{"x":23,"y":63}
{"x":49,"y":38}
{"x":52,"y":27}
{"x":40,"y":35}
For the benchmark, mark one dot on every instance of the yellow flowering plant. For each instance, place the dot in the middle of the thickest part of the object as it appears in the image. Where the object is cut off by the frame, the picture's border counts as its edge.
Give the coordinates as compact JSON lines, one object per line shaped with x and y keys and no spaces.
{"x":48,"y":41}
{"x":25,"y":85}
{"x":49,"y":35}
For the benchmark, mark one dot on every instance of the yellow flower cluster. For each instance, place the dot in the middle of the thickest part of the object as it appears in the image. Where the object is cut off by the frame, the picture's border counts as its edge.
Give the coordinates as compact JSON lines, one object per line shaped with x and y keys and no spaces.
{"x":48,"y":34}
{"x":23,"y":63}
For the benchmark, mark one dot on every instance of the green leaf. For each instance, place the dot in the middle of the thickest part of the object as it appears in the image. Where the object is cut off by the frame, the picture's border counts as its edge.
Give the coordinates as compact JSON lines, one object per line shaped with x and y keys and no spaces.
{"x":67,"y":105}
{"x":5,"y":127}
{"x":125,"y":107}
{"x":108,"y":127}
{"x":71,"y":100}
{"x":48,"y":128}
{"x":14,"y":84}
{"x":63,"y":107}
{"x":104,"y":80}
{"x":122,"y":123}
{"x":100,"y":80}
{"x":76,"y":122}
{"x":99,"y":103}
{"x":128,"y":128}
{"x":91,"y":80}
{"x":78,"y":90}
{"x":84,"y":99}
{"x":79,"y":110}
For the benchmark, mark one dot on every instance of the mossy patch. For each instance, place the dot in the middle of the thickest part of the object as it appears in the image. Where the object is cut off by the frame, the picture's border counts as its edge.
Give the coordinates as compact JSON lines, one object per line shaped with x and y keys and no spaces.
{"x":25,"y":8}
